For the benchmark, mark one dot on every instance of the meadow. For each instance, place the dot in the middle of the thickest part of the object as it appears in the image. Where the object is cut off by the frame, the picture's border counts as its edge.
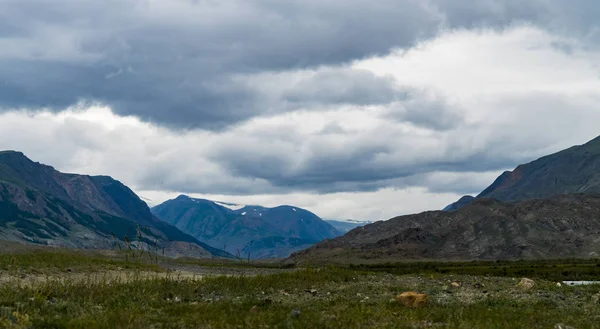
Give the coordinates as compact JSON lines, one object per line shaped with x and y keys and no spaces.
{"x":70,"y":289}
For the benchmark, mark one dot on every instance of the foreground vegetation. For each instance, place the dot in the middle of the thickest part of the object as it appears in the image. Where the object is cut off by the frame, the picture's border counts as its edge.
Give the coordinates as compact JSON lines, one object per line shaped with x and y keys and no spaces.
{"x":326,"y":297}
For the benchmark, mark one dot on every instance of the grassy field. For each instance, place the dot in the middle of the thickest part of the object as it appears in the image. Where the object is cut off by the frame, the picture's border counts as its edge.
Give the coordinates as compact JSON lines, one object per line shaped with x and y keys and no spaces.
{"x":556,"y":270}
{"x":166,"y":296}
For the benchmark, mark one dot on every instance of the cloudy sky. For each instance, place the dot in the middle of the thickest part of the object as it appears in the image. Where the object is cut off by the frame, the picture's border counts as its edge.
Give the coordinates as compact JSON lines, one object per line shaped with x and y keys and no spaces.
{"x":350,"y":108}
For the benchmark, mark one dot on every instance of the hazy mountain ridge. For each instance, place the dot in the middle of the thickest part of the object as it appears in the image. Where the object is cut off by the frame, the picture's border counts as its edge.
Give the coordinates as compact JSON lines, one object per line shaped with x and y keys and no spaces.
{"x":257,"y":231}
{"x":41,"y":205}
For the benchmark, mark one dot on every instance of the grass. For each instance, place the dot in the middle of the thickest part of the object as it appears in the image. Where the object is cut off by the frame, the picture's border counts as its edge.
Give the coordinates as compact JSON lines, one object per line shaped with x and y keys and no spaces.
{"x":49,"y":262}
{"x":327,"y":297}
{"x":555,"y":270}
{"x":233,"y":263}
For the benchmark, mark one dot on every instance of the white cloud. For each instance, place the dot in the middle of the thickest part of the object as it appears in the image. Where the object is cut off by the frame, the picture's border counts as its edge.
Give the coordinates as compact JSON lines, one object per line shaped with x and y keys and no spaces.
{"x":465,"y":63}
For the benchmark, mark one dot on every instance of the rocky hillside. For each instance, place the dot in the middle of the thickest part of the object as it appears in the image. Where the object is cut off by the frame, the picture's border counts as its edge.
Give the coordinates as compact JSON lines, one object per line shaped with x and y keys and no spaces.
{"x":574,"y":170}
{"x":43,"y":206}
{"x":559,"y":227}
{"x":248,"y":230}
{"x":465,"y":200}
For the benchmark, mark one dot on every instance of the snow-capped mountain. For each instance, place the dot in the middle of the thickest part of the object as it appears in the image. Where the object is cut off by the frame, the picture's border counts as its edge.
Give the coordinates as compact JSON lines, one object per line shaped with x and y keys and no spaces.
{"x":257,"y":231}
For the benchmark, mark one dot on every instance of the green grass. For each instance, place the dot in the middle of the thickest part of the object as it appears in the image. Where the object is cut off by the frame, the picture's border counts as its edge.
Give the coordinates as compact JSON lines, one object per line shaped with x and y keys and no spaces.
{"x":555,"y":270}
{"x":327,"y":297}
{"x":44,"y":262}
{"x":234,"y":263}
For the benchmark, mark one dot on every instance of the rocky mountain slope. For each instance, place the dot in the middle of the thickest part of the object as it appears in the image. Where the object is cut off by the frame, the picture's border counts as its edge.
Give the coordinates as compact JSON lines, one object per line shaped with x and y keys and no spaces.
{"x":559,"y":227}
{"x":465,"y":200}
{"x":345,"y":226}
{"x":248,"y":230}
{"x":43,"y":206}
{"x":574,"y":170}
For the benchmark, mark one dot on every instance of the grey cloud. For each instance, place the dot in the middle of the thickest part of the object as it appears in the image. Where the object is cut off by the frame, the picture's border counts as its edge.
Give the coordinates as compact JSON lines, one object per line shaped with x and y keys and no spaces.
{"x":174,"y":62}
{"x":564,"y":47}
{"x":333,"y":128}
{"x":356,"y":165}
{"x":489,"y":13}
{"x":576,"y":18}
{"x":249,"y":160}
{"x":334,"y":161}
{"x":323,"y":88}
{"x":344,"y":86}
{"x":359,"y":171}
{"x":426,"y":109}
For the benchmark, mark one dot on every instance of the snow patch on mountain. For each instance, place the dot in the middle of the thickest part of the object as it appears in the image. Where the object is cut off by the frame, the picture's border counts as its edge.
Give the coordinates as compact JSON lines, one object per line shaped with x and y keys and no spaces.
{"x":231,"y":206}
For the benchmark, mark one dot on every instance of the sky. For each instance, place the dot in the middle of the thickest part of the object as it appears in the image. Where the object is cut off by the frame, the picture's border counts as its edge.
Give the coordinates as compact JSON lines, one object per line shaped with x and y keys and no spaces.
{"x":352,"y":109}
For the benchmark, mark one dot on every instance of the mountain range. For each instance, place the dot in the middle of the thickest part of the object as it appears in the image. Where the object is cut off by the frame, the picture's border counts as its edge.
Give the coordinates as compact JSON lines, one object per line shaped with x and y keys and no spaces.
{"x":41,"y":205}
{"x":548,"y":208}
{"x":246,"y":231}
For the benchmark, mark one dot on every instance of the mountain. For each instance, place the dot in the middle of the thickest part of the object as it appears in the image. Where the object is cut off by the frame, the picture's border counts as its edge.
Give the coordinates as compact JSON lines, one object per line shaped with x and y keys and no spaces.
{"x":562,"y":226}
{"x":254,"y":231}
{"x":574,"y":170}
{"x":465,"y":200}
{"x":41,"y":205}
{"x":345,"y":226}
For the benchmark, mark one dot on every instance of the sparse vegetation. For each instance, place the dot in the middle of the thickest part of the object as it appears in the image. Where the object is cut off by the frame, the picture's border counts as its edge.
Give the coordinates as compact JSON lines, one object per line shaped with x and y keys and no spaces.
{"x":324,"y":297}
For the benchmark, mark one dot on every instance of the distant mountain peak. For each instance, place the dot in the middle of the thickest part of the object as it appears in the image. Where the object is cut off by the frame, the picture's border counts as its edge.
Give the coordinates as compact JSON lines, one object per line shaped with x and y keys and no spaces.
{"x":253,"y":230}
{"x":9,"y":157}
{"x":11,"y":152}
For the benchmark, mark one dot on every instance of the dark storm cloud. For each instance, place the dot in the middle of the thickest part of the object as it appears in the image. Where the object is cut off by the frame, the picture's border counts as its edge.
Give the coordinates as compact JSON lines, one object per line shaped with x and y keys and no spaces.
{"x":175,"y":62}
